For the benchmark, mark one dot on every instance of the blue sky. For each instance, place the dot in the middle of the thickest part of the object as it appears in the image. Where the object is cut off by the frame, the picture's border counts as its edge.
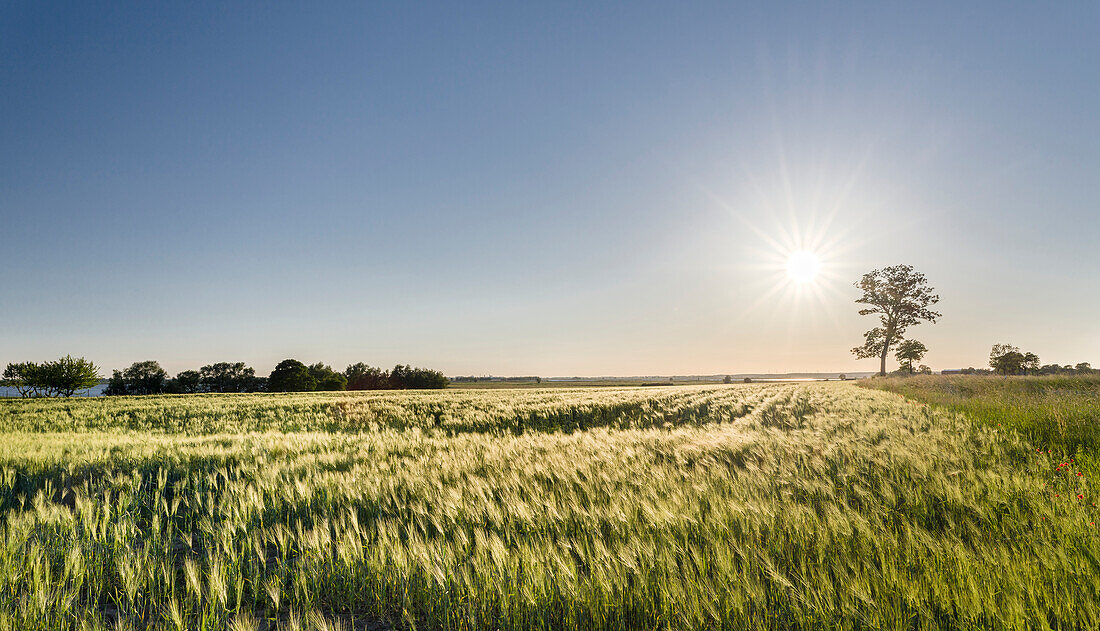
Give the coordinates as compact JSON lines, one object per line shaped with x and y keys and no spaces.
{"x":555,"y":189}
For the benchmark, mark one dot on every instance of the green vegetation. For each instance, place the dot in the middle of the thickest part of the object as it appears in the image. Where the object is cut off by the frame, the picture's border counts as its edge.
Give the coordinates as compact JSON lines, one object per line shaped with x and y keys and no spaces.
{"x":1060,"y":413}
{"x":290,"y":375}
{"x":61,"y":378}
{"x":816,"y":506}
{"x":901,"y":297}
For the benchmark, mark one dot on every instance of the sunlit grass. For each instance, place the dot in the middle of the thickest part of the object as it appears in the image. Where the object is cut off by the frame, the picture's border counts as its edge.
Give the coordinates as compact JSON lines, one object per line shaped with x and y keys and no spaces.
{"x":779,"y":506}
{"x":1059,"y":413}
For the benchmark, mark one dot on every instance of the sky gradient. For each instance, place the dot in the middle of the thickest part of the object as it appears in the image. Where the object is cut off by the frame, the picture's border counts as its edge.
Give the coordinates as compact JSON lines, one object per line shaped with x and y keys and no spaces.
{"x":553,"y":189}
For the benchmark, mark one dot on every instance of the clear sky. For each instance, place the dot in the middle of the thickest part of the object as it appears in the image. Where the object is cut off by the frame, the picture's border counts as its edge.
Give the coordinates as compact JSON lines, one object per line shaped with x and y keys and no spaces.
{"x":543,"y":188}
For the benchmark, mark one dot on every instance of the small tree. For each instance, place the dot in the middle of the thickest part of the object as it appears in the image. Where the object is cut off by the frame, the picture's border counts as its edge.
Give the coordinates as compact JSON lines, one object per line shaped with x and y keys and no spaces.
{"x":908,"y":352}
{"x":728,"y":379}
{"x":900,"y":297}
{"x":924,"y":370}
{"x":69,"y":375}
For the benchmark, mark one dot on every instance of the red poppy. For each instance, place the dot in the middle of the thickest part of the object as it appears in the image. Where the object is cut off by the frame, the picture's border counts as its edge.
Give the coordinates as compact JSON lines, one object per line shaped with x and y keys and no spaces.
{"x":1079,"y":474}
{"x":1057,"y":495}
{"x":1080,"y":497}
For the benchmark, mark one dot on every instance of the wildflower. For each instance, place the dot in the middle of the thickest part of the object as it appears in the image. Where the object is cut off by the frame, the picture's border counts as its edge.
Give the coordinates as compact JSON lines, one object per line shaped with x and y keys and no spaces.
{"x":1080,"y":497}
{"x":1079,"y":474}
{"x":1057,"y":495}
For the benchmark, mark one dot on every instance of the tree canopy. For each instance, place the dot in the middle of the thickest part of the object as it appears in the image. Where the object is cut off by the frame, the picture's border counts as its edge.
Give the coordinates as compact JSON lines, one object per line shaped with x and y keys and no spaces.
{"x":60,"y":378}
{"x":1007,"y":359}
{"x":291,"y":375}
{"x":146,"y":377}
{"x":910,"y":352}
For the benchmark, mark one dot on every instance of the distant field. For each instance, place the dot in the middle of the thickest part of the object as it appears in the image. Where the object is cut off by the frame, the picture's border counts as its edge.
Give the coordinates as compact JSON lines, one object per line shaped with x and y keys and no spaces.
{"x":778,"y":506}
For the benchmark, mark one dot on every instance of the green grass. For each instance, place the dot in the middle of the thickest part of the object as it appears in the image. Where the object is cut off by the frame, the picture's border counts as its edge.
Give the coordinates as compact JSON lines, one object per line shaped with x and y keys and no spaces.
{"x":818,"y":506}
{"x":1057,"y":413}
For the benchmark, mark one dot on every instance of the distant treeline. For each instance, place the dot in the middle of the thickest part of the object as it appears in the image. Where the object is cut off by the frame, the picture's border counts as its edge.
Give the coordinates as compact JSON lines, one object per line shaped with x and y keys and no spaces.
{"x":1006,"y":359}
{"x":473,"y":379}
{"x":67,"y":376}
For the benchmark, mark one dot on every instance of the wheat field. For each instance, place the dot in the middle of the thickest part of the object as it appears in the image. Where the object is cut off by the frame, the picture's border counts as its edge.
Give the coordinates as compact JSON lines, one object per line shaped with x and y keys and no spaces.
{"x":779,"y":506}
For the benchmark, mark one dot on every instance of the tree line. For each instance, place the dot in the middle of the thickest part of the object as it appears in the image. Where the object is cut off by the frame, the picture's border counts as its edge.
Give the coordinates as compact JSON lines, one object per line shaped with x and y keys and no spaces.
{"x":1006,"y":359}
{"x":68,"y":376}
{"x":290,"y":375}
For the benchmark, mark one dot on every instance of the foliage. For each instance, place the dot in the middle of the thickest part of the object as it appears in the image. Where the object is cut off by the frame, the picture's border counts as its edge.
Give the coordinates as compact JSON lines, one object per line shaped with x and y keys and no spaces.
{"x":900,"y":297}
{"x":328,"y":380}
{"x":1008,"y":360}
{"x":60,"y":378}
{"x":146,"y":377}
{"x":227,"y":377}
{"x":363,"y":377}
{"x":291,"y":375}
{"x":765,"y":507}
{"x":407,"y":377}
{"x":189,"y":382}
{"x":909,"y":352}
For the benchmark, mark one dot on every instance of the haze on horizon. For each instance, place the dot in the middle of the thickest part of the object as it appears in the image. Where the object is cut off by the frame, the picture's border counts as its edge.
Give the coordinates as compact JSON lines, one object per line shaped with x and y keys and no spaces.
{"x":543,"y":190}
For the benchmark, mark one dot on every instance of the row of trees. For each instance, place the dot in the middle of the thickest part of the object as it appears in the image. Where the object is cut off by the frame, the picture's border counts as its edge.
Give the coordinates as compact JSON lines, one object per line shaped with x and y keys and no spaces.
{"x":148,"y":377}
{"x":68,"y":376}
{"x":1006,"y":359}
{"x":60,"y":378}
{"x":290,"y":375}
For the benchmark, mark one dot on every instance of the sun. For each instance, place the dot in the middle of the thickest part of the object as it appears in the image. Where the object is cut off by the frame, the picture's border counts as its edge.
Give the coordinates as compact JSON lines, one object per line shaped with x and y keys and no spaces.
{"x":803,"y":266}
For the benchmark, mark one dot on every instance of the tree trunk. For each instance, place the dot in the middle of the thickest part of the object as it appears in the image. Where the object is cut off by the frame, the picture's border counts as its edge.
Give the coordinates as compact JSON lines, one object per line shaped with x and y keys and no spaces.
{"x":885,"y":352}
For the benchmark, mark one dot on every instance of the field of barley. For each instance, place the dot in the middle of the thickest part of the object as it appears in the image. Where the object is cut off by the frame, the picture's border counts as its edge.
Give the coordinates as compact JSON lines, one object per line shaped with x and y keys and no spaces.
{"x":780,"y":506}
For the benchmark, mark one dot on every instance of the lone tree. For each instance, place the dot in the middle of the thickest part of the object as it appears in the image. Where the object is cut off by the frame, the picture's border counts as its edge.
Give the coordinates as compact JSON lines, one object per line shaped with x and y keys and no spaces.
{"x":900,"y":297}
{"x":909,"y":352}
